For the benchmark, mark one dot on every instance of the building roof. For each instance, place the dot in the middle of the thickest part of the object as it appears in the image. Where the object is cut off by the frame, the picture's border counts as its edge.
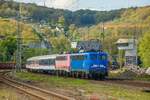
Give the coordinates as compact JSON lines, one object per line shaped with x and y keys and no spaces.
{"x":125,"y":41}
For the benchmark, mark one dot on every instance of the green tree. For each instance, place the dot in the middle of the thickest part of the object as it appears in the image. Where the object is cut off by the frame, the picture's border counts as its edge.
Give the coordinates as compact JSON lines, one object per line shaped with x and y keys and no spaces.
{"x":8,"y":48}
{"x":144,"y":49}
{"x":31,"y":52}
{"x":61,"y":21}
{"x":73,"y":33}
{"x":60,"y":44}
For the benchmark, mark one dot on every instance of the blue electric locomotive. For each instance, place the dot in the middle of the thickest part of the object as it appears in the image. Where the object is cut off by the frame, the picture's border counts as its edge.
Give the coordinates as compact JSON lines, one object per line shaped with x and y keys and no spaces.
{"x":93,"y":64}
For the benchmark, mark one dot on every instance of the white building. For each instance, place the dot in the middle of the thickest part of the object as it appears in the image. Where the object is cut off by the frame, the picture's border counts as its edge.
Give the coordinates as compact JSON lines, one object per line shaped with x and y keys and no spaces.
{"x":130,"y":47}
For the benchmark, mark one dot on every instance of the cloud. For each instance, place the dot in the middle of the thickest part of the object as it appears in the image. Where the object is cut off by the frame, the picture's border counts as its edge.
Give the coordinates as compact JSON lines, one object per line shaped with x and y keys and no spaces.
{"x":64,"y":4}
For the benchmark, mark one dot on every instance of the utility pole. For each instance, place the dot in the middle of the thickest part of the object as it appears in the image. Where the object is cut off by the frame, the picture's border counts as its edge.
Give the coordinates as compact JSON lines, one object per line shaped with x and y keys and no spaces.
{"x":102,"y":33}
{"x":44,"y":3}
{"x":19,"y":41}
{"x":135,"y":43}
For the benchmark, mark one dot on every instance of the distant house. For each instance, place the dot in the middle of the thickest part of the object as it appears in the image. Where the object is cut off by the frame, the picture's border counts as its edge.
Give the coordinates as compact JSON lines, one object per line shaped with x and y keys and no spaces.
{"x":90,"y":45}
{"x":37,"y":45}
{"x":2,"y":37}
{"x":130,"y":47}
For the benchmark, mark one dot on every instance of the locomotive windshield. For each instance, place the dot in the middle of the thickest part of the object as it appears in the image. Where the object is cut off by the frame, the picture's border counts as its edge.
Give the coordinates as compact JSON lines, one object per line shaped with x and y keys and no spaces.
{"x":77,"y":57}
{"x":102,"y":57}
{"x":93,"y":56}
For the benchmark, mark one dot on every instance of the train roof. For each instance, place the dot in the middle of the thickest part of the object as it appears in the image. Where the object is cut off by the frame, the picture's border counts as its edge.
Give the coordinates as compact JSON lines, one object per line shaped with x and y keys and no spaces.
{"x":88,"y":53}
{"x":62,"y":55}
{"x":82,"y":53}
{"x":43,"y":57}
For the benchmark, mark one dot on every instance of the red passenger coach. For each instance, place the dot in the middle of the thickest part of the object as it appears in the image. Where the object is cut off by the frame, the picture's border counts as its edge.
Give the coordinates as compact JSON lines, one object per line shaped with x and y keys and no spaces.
{"x":7,"y":65}
{"x":63,"y":62}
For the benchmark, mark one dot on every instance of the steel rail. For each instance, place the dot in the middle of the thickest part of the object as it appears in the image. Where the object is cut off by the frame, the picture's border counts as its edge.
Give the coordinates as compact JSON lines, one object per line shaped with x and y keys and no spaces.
{"x":25,"y":88}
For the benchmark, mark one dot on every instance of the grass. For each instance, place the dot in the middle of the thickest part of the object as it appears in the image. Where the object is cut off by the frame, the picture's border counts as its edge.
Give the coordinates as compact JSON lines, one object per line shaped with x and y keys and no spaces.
{"x":115,"y":91}
{"x":6,"y":94}
{"x":9,"y":93}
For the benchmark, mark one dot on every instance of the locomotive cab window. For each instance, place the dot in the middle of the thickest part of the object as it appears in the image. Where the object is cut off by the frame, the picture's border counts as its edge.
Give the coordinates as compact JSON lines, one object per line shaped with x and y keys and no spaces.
{"x":102,"y":57}
{"x":93,"y":56}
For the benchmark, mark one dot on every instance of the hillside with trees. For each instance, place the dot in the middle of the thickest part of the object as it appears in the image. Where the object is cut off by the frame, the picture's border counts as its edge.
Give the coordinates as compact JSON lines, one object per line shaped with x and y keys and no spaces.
{"x":144,"y":49}
{"x":61,"y":27}
{"x":32,"y":12}
{"x":133,"y":23}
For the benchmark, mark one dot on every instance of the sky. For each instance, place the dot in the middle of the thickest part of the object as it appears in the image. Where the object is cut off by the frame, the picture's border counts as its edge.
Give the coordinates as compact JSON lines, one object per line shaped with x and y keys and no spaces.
{"x":89,"y":4}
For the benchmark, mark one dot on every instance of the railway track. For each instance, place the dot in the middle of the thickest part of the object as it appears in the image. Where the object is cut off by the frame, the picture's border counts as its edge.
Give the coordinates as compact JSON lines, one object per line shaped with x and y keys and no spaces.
{"x":35,"y":91}
{"x":120,"y":81}
{"x":130,"y":83}
{"x":4,"y":71}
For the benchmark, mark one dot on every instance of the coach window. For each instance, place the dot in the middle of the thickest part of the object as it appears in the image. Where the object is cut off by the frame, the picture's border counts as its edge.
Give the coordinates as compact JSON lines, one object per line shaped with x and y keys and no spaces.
{"x":36,"y":62}
{"x":29,"y":62}
{"x":51,"y":62}
{"x":32,"y":62}
{"x":41,"y":62}
{"x":44,"y":62}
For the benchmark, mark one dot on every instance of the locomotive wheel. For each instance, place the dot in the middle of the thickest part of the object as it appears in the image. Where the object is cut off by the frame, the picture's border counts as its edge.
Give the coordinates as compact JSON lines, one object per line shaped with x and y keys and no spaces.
{"x":77,"y":75}
{"x":86,"y":75}
{"x":82,"y":75}
{"x":62,"y":73}
{"x":72,"y":74}
{"x":95,"y":76}
{"x":57,"y":73}
{"x":65,"y":74}
{"x":89,"y":76}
